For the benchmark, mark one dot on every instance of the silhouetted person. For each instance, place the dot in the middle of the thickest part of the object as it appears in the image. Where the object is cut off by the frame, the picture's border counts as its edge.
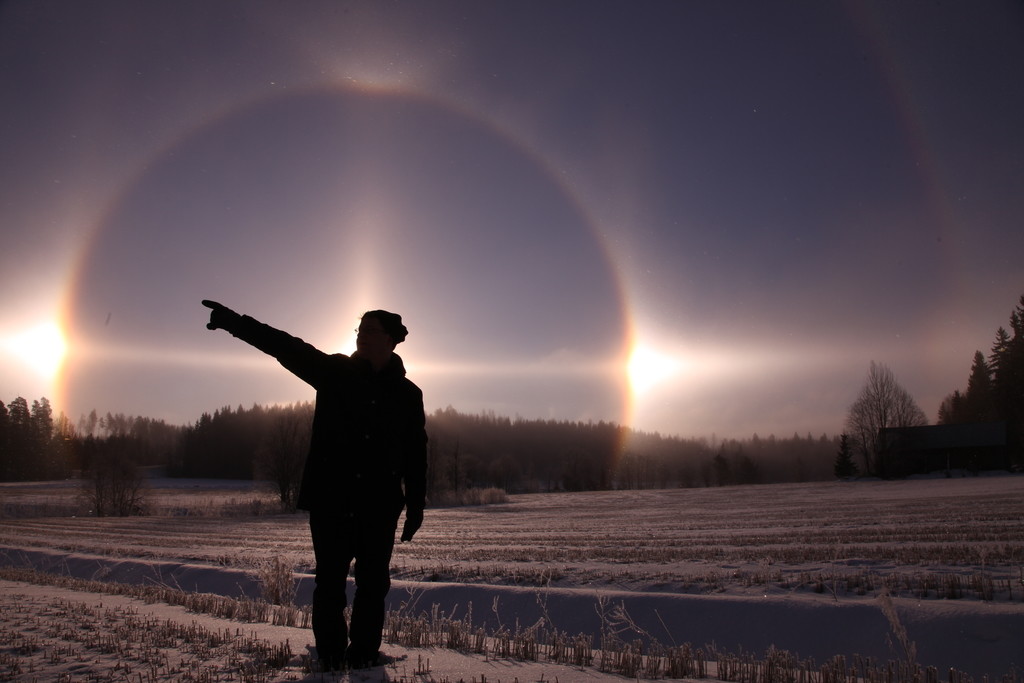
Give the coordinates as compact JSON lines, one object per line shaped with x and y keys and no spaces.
{"x":367,"y":460}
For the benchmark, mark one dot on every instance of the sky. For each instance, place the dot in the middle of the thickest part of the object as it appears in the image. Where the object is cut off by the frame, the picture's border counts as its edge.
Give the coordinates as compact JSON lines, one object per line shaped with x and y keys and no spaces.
{"x":704,"y":219}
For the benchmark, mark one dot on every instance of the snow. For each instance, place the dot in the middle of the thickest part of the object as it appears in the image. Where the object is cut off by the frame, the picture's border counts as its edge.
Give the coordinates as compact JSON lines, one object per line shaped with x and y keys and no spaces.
{"x":971,"y":635}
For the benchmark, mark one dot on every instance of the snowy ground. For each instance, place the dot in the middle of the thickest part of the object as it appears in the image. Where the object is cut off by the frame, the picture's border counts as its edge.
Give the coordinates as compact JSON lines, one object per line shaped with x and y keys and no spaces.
{"x":676,"y":537}
{"x":82,"y":648}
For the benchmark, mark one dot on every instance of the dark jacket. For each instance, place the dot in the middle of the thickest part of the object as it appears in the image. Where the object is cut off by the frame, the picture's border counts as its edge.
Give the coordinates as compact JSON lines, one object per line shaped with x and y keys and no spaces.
{"x":368,"y":451}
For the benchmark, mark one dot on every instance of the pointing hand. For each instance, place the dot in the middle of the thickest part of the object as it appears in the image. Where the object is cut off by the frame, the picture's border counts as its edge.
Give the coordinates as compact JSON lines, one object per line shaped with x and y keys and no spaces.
{"x":220,"y":315}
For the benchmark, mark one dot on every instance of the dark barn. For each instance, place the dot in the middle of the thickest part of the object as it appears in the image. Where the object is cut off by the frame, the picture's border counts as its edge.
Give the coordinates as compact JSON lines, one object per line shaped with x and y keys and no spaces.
{"x":935,"y":448}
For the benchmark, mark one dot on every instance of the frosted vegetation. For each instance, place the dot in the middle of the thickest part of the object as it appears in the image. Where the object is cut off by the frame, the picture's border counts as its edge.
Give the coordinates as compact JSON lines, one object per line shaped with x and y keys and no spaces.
{"x":691,"y":539}
{"x":610,"y":579}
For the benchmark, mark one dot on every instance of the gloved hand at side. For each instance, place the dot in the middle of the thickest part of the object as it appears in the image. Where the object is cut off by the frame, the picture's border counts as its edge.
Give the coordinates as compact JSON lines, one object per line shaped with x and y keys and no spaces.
{"x":413,"y":521}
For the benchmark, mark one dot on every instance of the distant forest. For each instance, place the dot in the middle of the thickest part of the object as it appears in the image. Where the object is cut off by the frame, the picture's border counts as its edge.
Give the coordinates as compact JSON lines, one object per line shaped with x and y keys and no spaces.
{"x":476,"y":451}
{"x":465,"y":451}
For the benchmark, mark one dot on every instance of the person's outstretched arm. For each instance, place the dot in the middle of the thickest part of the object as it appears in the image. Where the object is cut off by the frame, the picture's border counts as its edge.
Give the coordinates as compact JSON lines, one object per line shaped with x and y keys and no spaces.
{"x":304,"y":360}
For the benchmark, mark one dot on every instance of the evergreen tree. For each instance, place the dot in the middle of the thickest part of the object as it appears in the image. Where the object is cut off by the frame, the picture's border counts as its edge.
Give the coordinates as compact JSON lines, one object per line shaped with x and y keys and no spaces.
{"x":1000,"y":349}
{"x":63,"y":445}
{"x":722,"y":468}
{"x":43,"y":464}
{"x":951,"y":408}
{"x":19,"y":439}
{"x":1007,"y":366}
{"x":845,"y":467}
{"x":746,"y":470}
{"x":5,"y":451}
{"x":979,"y":401}
{"x":87,"y":425}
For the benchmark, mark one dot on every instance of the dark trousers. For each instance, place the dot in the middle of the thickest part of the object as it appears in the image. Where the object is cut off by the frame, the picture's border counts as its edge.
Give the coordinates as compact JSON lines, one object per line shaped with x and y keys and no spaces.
{"x":338,"y":540}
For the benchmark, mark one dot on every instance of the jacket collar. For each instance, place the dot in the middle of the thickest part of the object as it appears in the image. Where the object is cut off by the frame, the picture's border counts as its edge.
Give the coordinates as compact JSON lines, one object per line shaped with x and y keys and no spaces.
{"x":395,"y":368}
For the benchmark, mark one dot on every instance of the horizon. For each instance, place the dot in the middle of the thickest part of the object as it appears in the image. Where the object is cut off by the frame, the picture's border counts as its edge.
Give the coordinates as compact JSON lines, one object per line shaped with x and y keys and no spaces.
{"x":76,"y":423}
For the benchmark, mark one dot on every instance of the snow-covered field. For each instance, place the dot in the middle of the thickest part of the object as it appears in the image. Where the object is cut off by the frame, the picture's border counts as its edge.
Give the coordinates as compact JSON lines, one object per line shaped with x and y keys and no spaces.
{"x":818,"y":570}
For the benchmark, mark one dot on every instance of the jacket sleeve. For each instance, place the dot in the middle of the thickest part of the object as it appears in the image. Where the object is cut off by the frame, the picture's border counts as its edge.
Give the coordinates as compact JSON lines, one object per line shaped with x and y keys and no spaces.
{"x":302,"y":359}
{"x":415,"y":476}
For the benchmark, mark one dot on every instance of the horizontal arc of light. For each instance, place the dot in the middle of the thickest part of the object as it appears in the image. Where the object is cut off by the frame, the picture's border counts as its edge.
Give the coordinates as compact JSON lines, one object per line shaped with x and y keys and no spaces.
{"x":165,"y":356}
{"x":177,"y":357}
{"x":531,"y":368}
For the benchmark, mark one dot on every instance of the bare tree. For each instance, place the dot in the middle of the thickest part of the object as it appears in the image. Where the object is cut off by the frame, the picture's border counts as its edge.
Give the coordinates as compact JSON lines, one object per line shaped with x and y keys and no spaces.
{"x":113,"y":485}
{"x":282,"y":455}
{"x":882,"y":403}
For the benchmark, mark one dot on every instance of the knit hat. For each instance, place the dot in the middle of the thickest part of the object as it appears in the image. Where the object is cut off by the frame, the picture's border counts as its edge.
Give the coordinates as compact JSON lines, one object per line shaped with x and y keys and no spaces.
{"x":391,"y":322}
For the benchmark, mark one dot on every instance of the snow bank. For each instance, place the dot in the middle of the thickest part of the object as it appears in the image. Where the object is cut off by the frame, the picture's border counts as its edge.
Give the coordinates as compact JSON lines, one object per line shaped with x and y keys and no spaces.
{"x":979,"y":638}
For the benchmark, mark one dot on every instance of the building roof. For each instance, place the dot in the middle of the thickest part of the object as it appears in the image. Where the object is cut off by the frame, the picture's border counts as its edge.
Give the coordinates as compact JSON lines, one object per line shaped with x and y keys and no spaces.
{"x":973,"y":435}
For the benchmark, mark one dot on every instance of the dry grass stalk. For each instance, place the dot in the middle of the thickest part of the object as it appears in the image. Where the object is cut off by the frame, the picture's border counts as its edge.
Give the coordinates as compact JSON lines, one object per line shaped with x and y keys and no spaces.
{"x":145,"y":649}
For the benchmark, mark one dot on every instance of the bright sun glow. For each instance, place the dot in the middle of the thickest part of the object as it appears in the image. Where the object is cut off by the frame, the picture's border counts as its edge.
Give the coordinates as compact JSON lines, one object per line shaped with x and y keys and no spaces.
{"x":647,"y":367}
{"x":41,"y":348}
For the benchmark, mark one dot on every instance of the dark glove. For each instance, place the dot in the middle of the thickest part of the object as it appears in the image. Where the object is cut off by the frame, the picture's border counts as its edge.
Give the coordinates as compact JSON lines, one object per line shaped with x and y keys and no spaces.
{"x":413,"y":521}
{"x":221,"y":317}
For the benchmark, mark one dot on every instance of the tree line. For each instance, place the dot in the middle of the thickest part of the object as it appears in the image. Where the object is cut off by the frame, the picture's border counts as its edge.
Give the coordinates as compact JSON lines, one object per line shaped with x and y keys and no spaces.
{"x":995,"y":393}
{"x":995,"y":386}
{"x":519,"y":455}
{"x":33,"y":444}
{"x":464,"y":451}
